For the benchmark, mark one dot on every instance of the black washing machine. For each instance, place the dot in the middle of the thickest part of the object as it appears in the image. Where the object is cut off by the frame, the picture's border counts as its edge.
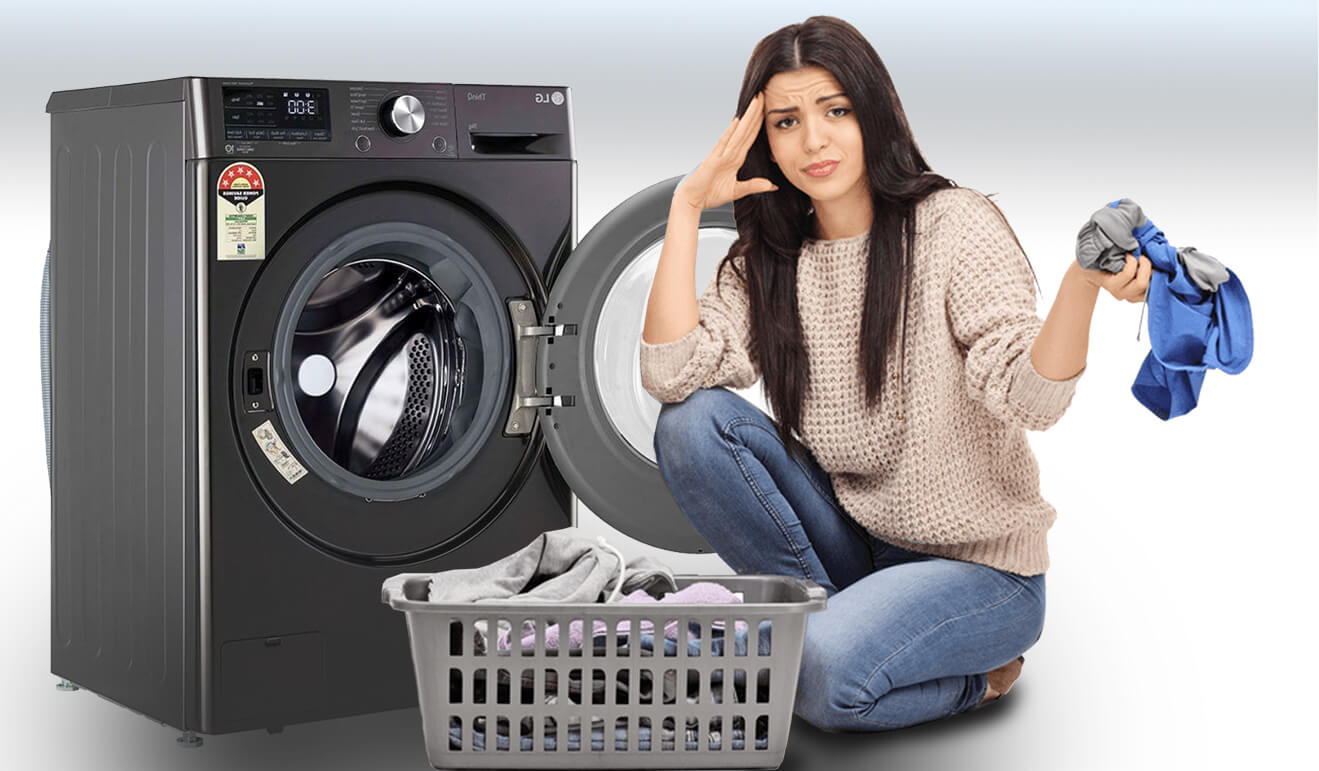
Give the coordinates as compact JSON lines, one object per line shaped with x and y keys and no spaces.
{"x":304,"y":335}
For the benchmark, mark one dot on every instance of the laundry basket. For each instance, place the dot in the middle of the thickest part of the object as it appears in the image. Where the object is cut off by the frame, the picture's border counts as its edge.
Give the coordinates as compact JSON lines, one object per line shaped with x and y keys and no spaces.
{"x":500,"y":688}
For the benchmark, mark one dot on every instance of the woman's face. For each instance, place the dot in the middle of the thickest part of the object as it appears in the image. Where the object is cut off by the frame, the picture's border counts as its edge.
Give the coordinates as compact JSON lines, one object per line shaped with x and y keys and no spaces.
{"x":808,"y":119}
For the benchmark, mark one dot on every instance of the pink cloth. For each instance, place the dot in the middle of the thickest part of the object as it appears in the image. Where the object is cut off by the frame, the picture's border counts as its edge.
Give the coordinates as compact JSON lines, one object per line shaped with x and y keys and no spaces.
{"x":702,"y":592}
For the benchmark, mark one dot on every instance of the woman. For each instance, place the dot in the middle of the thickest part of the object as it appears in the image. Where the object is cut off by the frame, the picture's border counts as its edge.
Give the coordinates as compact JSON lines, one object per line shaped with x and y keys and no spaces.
{"x":903,"y":373}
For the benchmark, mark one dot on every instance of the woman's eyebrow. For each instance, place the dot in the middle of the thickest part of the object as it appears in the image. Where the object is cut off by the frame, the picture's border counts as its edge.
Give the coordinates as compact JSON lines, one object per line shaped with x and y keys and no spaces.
{"x":817,"y":101}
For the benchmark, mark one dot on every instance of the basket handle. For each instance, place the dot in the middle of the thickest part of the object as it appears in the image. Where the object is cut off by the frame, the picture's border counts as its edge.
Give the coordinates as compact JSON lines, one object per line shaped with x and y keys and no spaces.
{"x":816,"y":595}
{"x":391,"y":591}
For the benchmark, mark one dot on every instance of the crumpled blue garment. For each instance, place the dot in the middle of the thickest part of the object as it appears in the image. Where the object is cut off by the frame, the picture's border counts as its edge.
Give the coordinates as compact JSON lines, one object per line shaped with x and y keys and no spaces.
{"x":692,"y":734}
{"x":1191,"y":329}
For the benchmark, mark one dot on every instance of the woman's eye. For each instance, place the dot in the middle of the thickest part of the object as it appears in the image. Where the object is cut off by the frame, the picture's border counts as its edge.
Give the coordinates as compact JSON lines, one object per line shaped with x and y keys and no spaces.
{"x":845,"y":110}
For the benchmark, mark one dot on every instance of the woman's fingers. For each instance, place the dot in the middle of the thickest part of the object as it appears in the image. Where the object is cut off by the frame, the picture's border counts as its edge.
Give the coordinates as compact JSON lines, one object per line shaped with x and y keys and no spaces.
{"x":1115,"y":282}
{"x":723,"y":138}
{"x":755,"y":185}
{"x":1132,"y":281}
{"x":1135,"y":291}
{"x":747,"y":128}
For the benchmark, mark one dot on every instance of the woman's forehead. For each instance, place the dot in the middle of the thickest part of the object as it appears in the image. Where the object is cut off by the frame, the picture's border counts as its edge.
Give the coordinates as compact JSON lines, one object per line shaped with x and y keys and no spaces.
{"x":801,"y":85}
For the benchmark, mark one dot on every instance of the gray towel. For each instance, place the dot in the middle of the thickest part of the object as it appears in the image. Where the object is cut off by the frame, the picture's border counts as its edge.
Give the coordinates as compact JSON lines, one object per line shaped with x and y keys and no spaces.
{"x":1107,"y":236}
{"x":557,"y":566}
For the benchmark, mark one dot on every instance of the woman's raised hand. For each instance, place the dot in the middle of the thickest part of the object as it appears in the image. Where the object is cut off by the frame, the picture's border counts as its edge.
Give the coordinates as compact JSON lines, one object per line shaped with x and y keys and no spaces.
{"x":1128,"y":284}
{"x":714,"y":182}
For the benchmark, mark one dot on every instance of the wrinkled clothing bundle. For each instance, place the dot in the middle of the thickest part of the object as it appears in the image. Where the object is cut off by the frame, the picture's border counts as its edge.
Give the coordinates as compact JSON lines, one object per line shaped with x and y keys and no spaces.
{"x":1199,"y":313}
{"x":557,"y":567}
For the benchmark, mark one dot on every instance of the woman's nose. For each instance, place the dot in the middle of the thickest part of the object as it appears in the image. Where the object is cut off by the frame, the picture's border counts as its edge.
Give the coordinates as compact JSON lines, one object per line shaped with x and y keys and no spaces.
{"x":815,"y":137}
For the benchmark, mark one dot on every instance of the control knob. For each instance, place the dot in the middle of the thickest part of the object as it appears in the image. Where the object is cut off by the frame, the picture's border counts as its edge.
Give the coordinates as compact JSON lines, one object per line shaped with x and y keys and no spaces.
{"x":402,"y":115}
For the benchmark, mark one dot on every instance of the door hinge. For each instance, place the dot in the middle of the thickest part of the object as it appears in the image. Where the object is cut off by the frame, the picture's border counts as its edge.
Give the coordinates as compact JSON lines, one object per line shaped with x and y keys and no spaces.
{"x":528,"y":333}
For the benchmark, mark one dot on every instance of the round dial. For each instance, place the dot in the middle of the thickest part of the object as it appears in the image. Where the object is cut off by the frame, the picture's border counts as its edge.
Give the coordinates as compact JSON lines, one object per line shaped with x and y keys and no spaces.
{"x":402,"y":115}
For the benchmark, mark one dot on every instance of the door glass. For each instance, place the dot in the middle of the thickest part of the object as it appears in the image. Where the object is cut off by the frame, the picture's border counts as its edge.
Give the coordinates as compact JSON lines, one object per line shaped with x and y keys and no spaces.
{"x":632,"y":410}
{"x":379,"y":368}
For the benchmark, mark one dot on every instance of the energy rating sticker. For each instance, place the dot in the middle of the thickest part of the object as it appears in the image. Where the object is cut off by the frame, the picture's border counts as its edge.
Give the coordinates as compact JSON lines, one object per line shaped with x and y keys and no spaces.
{"x":240,"y":213}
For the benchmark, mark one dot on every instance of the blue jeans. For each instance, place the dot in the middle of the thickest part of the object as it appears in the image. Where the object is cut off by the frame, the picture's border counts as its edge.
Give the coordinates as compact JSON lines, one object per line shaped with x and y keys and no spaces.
{"x":906,"y":637}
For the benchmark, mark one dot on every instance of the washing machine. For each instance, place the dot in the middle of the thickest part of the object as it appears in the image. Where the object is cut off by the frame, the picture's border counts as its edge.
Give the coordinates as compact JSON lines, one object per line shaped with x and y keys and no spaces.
{"x":304,"y":335}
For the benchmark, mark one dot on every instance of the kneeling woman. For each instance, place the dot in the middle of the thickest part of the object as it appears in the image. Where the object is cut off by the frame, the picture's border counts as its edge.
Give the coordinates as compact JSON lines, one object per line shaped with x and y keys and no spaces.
{"x":892,"y":316}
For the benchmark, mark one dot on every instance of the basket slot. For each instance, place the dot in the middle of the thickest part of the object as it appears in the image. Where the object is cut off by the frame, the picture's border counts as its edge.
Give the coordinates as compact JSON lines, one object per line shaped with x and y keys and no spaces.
{"x":455,"y":637}
{"x":455,"y":732}
{"x":646,"y":695}
{"x":574,"y":631}
{"x":455,"y":685}
{"x":503,"y":630}
{"x":623,"y":686}
{"x":574,"y":727}
{"x":503,"y":687}
{"x":623,"y":734}
{"x":528,"y":688}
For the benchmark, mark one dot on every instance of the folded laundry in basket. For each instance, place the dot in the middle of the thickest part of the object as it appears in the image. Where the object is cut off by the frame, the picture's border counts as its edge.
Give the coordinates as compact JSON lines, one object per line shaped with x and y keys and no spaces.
{"x":644,"y":734}
{"x":700,"y":592}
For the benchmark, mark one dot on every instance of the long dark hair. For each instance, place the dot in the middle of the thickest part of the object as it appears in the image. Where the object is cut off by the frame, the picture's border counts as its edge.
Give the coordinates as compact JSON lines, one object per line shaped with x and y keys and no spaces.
{"x":772,"y":226}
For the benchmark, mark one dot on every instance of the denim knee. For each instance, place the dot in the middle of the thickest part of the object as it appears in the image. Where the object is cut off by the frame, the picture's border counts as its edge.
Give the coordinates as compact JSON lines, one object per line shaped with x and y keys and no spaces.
{"x":820,"y":700}
{"x":684,"y":429}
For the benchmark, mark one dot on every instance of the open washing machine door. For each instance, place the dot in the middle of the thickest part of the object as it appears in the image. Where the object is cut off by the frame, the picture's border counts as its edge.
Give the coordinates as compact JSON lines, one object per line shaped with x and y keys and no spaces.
{"x":598,"y":421}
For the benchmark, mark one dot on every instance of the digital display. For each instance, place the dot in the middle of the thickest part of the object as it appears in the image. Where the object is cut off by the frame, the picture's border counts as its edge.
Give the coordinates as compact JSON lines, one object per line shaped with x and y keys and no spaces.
{"x":280,"y":114}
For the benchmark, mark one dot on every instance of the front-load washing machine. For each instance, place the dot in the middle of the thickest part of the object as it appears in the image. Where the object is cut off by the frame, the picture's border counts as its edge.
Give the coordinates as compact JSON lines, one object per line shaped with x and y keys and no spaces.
{"x":303,"y":335}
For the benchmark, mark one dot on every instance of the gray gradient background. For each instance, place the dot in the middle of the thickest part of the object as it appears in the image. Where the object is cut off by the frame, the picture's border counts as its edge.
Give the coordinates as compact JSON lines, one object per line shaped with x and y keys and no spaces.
{"x":1180,"y":628}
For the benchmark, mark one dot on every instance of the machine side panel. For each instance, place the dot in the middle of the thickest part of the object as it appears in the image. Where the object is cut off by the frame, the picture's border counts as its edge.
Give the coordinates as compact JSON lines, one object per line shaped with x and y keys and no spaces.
{"x":124,"y":476}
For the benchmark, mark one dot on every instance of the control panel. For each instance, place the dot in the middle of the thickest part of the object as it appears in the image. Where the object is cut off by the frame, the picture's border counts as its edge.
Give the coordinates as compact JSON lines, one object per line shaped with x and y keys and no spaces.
{"x":359,"y":119}
{"x":278,"y":114}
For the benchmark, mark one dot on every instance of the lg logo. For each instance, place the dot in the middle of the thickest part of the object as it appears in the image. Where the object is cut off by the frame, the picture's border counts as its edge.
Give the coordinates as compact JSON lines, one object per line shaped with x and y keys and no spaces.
{"x":555,"y":98}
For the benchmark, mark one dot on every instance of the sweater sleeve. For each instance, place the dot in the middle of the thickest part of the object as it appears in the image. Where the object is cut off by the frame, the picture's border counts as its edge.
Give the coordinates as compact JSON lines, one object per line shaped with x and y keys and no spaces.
{"x":715,"y":351}
{"x":991,"y":310}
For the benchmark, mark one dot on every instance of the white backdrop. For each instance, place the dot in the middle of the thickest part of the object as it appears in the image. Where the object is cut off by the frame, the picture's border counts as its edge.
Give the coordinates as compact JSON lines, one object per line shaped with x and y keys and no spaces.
{"x":1180,"y":598}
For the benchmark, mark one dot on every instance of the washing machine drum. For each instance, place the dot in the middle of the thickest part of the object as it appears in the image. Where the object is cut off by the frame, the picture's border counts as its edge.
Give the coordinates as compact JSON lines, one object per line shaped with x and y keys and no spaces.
{"x":379,"y":368}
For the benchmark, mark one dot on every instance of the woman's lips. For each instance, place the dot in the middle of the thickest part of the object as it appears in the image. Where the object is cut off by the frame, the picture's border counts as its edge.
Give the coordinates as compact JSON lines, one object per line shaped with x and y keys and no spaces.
{"x":822,"y":170}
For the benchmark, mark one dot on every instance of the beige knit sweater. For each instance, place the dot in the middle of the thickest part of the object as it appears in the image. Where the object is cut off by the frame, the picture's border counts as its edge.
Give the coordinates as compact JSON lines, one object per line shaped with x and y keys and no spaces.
{"x":943,"y":466}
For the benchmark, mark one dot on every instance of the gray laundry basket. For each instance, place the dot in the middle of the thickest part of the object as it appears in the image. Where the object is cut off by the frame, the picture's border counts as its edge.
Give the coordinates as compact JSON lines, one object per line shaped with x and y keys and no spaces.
{"x":610,"y":700}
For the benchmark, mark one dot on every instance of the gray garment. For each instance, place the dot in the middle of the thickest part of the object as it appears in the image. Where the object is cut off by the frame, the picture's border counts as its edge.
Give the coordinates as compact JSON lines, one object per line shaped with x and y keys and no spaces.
{"x":1106,"y":237}
{"x":1205,"y":271}
{"x":556,"y":567}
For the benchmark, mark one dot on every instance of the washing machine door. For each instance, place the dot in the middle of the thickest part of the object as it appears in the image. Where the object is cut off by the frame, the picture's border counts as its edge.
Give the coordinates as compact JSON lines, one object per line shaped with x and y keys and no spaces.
{"x":601,"y":427}
{"x":380,"y":329}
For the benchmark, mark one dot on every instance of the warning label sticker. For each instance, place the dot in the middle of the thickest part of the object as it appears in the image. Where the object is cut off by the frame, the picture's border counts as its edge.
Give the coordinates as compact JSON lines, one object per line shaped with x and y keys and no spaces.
{"x":278,"y":455}
{"x":240,"y":213}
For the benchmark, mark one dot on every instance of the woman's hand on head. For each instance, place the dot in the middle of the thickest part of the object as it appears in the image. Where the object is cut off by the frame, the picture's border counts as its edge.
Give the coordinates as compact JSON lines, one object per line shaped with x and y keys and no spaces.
{"x":1128,"y":284}
{"x":714,"y":182}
